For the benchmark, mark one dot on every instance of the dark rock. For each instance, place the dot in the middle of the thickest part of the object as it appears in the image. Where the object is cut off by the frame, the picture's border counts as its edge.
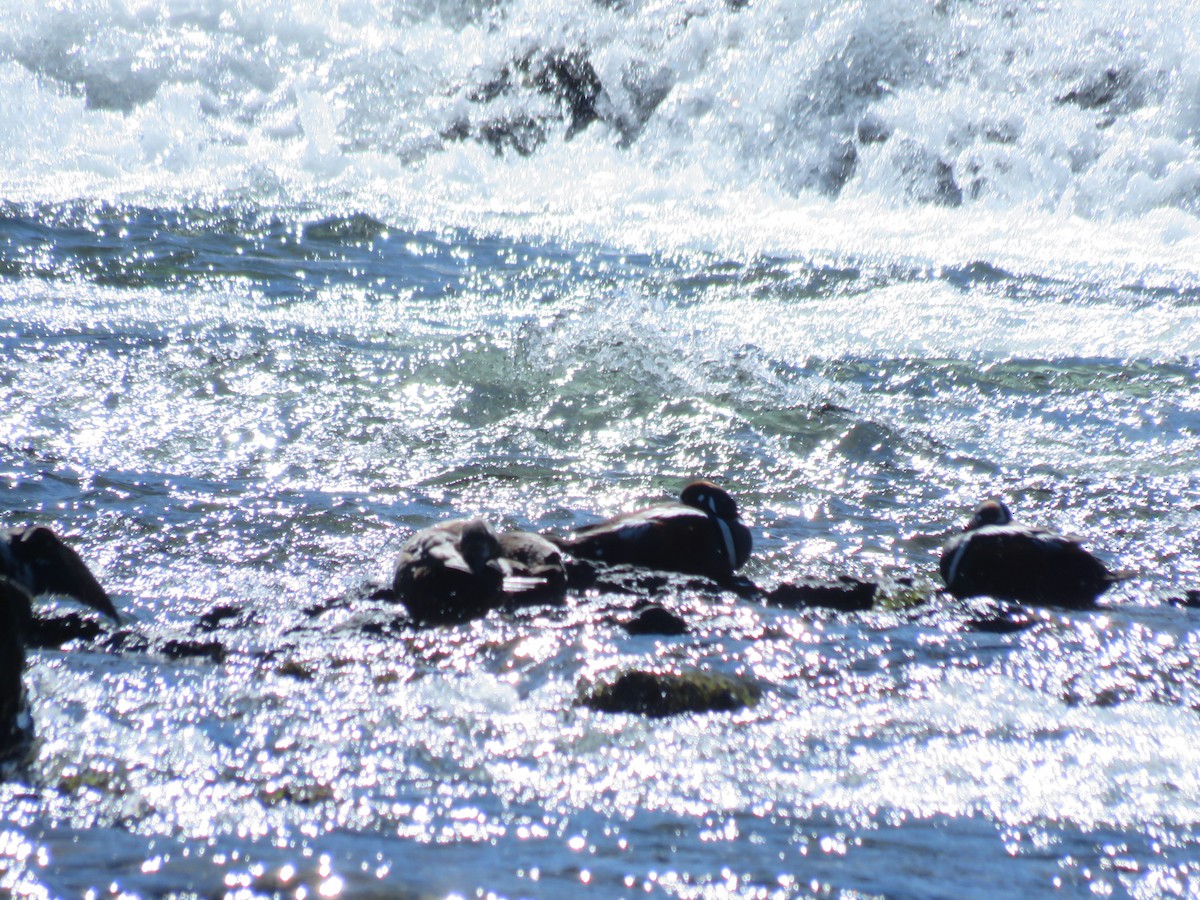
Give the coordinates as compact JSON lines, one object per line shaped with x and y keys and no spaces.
{"x":648,"y":583}
{"x":1190,"y":600}
{"x":521,"y":134}
{"x":358,"y":227}
{"x":183,"y":649}
{"x":389,"y":628}
{"x":539,"y":595}
{"x":1005,"y":619}
{"x":215,"y":617}
{"x":331,"y":603}
{"x":845,"y":594}
{"x":660,"y":694}
{"x":1112,"y":85}
{"x":126,"y":641}
{"x":839,"y":167}
{"x":568,"y":76}
{"x":293,"y":669}
{"x":927,"y":177}
{"x":655,"y":619}
{"x":629,"y":580}
{"x":872,"y":130}
{"x":52,"y":632}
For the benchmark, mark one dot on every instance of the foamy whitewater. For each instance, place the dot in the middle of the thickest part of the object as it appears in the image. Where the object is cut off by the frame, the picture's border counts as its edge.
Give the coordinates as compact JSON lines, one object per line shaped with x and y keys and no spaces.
{"x":282,"y":282}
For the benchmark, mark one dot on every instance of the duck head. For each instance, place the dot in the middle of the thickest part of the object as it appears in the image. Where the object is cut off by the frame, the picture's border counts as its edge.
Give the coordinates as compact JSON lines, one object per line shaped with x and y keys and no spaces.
{"x":706,"y":496}
{"x":478,"y":544}
{"x":990,"y":512}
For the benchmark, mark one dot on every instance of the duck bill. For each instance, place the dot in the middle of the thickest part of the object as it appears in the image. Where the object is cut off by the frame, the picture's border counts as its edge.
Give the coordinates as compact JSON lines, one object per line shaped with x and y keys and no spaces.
{"x":73,"y":579}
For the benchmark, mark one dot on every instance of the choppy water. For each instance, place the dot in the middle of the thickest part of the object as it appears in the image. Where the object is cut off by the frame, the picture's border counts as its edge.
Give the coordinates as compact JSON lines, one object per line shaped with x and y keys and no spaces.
{"x":280,"y":284}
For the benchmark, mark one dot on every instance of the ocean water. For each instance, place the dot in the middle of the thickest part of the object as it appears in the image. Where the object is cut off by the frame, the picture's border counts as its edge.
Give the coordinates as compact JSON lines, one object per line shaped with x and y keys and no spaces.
{"x":281,"y":283}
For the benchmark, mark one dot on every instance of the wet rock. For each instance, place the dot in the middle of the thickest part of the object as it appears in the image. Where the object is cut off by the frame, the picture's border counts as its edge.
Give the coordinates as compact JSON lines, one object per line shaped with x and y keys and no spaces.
{"x":185,"y":649}
{"x":522,"y":134}
{"x":655,"y":619}
{"x":872,"y":129}
{"x":568,"y":77}
{"x":839,"y":166}
{"x":52,"y":632}
{"x":1190,"y":599}
{"x":1112,"y":87}
{"x":219,"y":617}
{"x":649,"y":583}
{"x":386,"y":628}
{"x":356,"y":228}
{"x":845,"y":594}
{"x":293,"y":669}
{"x":642,"y":90}
{"x":1002,"y":618}
{"x":126,"y":641}
{"x":927,"y":178}
{"x":661,"y":694}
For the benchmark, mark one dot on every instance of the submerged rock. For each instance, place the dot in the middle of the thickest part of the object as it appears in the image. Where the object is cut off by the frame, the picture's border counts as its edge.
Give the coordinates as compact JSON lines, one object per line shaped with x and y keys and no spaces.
{"x":660,"y":694}
{"x":845,"y":593}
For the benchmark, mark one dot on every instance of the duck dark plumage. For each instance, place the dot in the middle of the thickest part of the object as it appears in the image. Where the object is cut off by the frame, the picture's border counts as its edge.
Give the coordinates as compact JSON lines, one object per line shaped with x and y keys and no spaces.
{"x":459,"y":570}
{"x":531,"y":564}
{"x":450,"y":572}
{"x":997,"y":557}
{"x":37,"y":559}
{"x":701,"y":534}
{"x":16,"y":724}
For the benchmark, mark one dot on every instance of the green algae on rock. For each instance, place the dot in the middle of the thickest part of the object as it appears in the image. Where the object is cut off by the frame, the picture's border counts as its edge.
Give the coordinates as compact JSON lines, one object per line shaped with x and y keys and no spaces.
{"x":660,"y":694}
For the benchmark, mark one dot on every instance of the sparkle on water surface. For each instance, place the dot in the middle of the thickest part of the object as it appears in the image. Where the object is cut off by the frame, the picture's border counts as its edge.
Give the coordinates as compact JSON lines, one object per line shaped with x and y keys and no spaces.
{"x":264,"y":315}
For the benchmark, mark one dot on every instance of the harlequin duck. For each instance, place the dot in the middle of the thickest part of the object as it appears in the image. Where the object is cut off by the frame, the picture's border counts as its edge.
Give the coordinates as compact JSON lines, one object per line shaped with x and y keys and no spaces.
{"x":36,"y":559}
{"x":459,"y":570}
{"x":702,"y":534}
{"x":16,"y":724}
{"x":532,"y":565}
{"x":450,"y":572}
{"x":998,"y":558}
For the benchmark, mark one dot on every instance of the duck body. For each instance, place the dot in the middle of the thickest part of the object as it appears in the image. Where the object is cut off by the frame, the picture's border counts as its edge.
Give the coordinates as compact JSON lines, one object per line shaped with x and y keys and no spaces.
{"x":701,"y":534}
{"x":450,"y":572}
{"x":996,"y":557}
{"x":532,"y":564}
{"x":38,"y":560}
{"x":16,"y":723}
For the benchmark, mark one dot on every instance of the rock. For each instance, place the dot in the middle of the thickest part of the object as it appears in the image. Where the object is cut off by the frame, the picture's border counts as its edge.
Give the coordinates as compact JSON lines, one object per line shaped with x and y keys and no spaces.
{"x":217,"y":617}
{"x":52,"y":632}
{"x":872,"y":129}
{"x":1001,"y":618}
{"x":1114,"y":88}
{"x":845,"y":594}
{"x":1190,"y":599}
{"x":183,"y":649}
{"x":355,"y":228}
{"x":660,"y":694}
{"x":654,"y":619}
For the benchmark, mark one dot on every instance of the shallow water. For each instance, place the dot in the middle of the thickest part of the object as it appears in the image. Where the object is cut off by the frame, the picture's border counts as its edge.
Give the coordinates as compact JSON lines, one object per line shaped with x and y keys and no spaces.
{"x":264,"y":312}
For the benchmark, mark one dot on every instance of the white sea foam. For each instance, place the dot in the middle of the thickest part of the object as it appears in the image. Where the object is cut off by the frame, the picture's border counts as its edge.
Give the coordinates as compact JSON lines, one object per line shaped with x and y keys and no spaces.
{"x":1052,"y":138}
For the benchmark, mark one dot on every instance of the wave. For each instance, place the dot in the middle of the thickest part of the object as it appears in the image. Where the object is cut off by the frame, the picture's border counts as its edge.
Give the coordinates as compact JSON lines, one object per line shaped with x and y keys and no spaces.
{"x":636,"y":121}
